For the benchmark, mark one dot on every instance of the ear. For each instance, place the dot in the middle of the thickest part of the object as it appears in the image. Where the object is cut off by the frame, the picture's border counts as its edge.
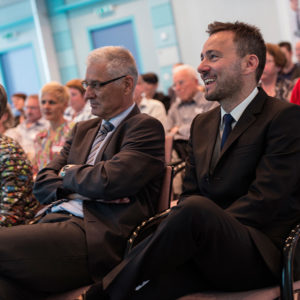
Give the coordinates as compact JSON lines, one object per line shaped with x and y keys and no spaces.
{"x":128,"y":85}
{"x":250,"y":64}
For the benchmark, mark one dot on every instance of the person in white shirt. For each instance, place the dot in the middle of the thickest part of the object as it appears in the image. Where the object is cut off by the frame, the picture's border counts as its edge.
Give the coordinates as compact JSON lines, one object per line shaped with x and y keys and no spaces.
{"x":151,"y":107}
{"x":26,"y":131}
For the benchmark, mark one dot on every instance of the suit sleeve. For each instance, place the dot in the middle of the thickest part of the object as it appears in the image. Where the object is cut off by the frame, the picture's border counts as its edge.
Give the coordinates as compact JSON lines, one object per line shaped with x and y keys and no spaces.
{"x":190,"y":185}
{"x":138,"y":159}
{"x":48,"y":186}
{"x":277,"y":175}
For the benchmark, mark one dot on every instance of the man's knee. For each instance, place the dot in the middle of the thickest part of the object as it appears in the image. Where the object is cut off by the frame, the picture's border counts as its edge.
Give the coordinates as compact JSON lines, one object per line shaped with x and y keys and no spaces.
{"x":199,"y":207}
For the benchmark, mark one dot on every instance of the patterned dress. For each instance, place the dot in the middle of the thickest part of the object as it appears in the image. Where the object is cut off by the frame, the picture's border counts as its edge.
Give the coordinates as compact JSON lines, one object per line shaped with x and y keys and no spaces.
{"x":46,"y":148}
{"x":17,"y":205}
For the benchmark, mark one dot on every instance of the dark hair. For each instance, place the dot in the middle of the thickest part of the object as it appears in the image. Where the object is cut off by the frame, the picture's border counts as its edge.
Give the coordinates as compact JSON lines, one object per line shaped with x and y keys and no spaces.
{"x":248,"y":40}
{"x":286,"y":45}
{"x":20,"y":95}
{"x":151,"y":78}
{"x":76,"y":84}
{"x":3,"y":100}
{"x":278,"y":55}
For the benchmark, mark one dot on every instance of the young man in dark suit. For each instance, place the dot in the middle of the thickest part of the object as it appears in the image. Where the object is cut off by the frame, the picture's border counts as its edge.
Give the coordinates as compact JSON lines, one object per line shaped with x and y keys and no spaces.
{"x":241,"y":189}
{"x":105,"y":181}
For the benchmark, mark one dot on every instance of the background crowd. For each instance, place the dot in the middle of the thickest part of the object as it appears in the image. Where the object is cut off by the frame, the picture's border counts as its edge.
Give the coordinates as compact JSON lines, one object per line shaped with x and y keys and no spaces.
{"x":37,"y":126}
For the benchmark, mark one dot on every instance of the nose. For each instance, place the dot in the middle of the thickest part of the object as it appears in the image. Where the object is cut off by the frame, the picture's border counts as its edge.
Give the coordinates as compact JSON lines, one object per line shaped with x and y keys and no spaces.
{"x":203,"y":68}
{"x":46,"y":104}
{"x":89,"y":93}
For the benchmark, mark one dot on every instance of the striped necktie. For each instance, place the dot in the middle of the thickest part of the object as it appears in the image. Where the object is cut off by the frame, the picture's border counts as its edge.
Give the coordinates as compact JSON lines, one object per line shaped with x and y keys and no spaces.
{"x":105,"y":128}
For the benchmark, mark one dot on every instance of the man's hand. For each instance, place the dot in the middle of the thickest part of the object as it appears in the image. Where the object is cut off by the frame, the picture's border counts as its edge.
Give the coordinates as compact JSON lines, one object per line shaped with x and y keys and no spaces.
{"x":174,"y":130}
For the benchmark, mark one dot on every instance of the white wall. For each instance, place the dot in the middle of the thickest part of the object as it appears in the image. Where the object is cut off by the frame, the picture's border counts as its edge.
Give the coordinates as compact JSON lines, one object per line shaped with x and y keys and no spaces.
{"x":193,"y":16}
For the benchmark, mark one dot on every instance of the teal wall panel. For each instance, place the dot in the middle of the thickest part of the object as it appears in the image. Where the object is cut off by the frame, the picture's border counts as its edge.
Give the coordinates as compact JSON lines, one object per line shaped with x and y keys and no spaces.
{"x":68,"y":73}
{"x":59,"y":23}
{"x":63,"y":40}
{"x":165,"y":36}
{"x":162,"y":15}
{"x":66,"y":58}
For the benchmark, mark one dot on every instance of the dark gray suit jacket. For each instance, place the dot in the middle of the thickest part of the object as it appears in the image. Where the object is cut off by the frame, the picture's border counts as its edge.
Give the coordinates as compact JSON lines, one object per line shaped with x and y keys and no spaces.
{"x":129,"y":165}
{"x":257,"y":176}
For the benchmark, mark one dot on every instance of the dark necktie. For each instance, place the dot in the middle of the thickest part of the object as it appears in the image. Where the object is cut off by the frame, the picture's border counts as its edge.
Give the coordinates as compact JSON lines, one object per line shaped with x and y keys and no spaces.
{"x":227,"y":119}
{"x":105,"y":128}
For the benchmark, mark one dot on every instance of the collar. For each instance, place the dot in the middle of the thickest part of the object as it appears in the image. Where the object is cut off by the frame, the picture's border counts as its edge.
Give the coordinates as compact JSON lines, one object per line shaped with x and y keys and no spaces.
{"x":239,"y":109}
{"x":143,"y":102}
{"x":120,"y":117}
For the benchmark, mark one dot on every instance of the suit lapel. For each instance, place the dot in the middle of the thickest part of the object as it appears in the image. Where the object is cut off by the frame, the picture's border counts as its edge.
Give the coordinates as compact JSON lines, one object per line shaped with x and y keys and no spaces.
{"x":246,"y":119}
{"x":133,"y":112}
{"x":205,"y":148}
{"x":88,"y":141}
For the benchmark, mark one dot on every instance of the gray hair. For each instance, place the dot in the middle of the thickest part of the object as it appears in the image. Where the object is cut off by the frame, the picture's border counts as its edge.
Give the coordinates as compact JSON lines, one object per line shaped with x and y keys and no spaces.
{"x":119,"y":61}
{"x":190,"y":70}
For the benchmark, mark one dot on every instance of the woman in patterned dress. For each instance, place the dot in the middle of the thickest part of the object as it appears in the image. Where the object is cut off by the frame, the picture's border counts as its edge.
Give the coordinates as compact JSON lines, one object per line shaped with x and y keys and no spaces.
{"x":54,"y":100}
{"x":17,"y":205}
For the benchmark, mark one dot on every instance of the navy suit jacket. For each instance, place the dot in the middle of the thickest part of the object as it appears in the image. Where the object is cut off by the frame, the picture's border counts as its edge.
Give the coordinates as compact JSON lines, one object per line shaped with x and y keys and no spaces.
{"x":256,"y":178}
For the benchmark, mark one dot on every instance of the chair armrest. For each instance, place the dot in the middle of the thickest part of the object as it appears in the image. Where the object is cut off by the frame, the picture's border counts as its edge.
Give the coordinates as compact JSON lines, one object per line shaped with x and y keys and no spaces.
{"x":146,"y":228}
{"x":287,"y":278}
{"x":177,"y":165}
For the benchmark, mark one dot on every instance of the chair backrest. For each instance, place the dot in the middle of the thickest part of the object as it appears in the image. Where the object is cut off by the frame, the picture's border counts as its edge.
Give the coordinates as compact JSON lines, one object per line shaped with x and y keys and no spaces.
{"x":168,"y":148}
{"x":165,"y":190}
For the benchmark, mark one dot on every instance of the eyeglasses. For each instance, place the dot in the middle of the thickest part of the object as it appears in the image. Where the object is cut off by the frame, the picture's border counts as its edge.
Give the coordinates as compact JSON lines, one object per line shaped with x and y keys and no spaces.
{"x":97,"y":84}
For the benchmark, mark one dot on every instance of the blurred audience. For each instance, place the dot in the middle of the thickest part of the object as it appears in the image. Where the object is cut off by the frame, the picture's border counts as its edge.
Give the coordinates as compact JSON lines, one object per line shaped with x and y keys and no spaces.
{"x":150,"y":86}
{"x":297,"y":52}
{"x":7,"y":119}
{"x":26,"y":131}
{"x":18,"y":101}
{"x":17,"y":204}
{"x":190,"y":102}
{"x":272,"y":84}
{"x":150,"y":107}
{"x":290,"y":71}
{"x":78,"y":109}
{"x":54,"y":99}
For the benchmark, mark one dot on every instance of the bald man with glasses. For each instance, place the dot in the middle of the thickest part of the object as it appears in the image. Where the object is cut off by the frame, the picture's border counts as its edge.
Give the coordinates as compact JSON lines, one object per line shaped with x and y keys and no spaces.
{"x":104,"y":182}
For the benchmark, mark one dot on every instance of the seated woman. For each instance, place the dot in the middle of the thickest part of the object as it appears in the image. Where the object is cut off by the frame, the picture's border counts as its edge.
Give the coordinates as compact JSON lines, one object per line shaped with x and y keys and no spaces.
{"x":275,"y":61}
{"x":48,"y":143}
{"x":78,"y":109}
{"x":17,"y":206}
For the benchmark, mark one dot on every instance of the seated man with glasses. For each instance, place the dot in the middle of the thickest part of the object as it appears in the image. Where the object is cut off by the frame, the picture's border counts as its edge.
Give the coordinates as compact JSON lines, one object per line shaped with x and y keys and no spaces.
{"x":104,"y":182}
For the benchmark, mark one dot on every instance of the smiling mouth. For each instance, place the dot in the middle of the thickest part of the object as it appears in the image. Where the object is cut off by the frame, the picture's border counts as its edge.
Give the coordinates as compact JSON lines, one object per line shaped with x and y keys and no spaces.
{"x":209,"y":81}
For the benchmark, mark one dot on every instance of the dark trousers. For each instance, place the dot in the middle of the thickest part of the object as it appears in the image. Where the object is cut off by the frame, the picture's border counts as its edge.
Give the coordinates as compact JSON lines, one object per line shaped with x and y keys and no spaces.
{"x":198,"y":247}
{"x":180,"y":146}
{"x":50,"y":256}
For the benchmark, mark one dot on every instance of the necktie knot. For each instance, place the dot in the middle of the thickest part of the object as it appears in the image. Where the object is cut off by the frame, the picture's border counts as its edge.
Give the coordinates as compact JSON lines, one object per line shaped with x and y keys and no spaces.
{"x":228,"y":120}
{"x":106,"y":127}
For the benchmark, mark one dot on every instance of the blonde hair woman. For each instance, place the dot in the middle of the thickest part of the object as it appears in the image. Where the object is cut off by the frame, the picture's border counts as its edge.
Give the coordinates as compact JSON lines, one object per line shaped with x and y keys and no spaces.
{"x":54,"y":98}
